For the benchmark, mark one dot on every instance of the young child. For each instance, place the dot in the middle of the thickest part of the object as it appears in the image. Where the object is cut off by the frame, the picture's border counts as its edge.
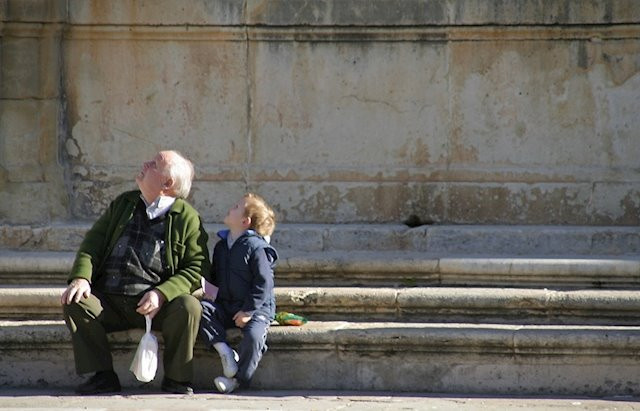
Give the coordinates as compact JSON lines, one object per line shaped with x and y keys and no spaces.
{"x":242,"y":269}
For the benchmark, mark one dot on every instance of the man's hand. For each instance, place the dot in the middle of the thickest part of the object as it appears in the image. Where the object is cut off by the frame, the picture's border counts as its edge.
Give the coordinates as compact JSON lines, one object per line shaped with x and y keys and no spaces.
{"x":76,"y":290}
{"x":241,"y":319}
{"x":150,"y":303}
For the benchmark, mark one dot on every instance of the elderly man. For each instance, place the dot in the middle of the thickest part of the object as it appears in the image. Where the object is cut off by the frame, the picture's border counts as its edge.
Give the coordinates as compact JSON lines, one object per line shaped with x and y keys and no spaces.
{"x":143,"y":256}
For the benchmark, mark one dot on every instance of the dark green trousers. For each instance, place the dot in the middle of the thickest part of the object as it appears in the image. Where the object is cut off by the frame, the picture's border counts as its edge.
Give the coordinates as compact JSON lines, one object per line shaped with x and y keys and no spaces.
{"x":92,"y":318}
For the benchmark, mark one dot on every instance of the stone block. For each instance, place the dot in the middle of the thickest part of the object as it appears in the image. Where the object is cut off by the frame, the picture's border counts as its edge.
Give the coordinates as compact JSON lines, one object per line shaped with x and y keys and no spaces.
{"x":213,"y":199}
{"x":502,"y":120}
{"x":129,"y":99}
{"x":163,"y":12}
{"x":439,"y":13}
{"x":24,"y":203}
{"x":505,"y":240}
{"x":570,"y":127}
{"x":347,"y":111}
{"x":340,"y":13}
{"x":30,"y":62}
{"x":37,"y":11}
{"x":65,"y":237}
{"x":365,"y":237}
{"x":349,"y":202}
{"x":20,"y":67}
{"x":544,"y":12}
{"x":299,"y":237}
{"x":28,"y":147}
{"x":613,"y":202}
{"x":616,"y":242}
{"x":523,"y":203}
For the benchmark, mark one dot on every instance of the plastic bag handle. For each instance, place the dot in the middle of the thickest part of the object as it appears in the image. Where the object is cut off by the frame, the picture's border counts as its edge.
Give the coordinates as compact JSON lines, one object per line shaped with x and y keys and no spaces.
{"x":148,"y":320}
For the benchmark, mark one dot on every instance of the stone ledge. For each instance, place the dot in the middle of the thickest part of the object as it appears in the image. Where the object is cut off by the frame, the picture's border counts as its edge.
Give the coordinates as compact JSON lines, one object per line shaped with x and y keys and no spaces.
{"x":446,"y":304}
{"x":420,"y":304}
{"x":469,"y":358}
{"x":385,"y":268}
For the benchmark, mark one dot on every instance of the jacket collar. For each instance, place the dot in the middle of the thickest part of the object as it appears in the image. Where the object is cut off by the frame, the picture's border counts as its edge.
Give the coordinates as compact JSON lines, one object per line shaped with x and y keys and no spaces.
{"x":224,"y":234}
{"x":177,"y":207}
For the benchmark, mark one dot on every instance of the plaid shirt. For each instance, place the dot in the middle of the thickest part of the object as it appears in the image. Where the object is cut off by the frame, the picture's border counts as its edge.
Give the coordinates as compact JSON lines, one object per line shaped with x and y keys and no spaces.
{"x":137,"y":260}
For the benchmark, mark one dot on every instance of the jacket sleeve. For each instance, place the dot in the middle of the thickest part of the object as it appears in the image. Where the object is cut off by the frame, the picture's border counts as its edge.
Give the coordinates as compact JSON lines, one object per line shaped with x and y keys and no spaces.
{"x":93,"y":246}
{"x":261,"y":264}
{"x":211,"y":275}
{"x":191,"y":258}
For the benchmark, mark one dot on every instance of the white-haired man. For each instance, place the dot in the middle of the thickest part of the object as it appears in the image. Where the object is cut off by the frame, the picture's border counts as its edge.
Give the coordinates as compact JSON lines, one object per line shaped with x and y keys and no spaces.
{"x":143,"y":256}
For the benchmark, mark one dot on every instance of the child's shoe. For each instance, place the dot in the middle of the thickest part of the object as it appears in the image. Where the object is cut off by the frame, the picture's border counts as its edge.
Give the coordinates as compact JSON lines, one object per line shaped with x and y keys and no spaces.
{"x":229,"y":363}
{"x":226,"y":385}
{"x":229,"y":359}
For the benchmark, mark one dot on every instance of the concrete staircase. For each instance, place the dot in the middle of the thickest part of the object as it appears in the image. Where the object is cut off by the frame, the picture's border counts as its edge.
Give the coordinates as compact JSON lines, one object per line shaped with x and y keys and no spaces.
{"x":467,"y":309}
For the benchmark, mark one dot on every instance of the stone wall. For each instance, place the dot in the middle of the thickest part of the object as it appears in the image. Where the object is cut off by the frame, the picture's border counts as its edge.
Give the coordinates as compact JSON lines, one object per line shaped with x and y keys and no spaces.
{"x":455,"y":111}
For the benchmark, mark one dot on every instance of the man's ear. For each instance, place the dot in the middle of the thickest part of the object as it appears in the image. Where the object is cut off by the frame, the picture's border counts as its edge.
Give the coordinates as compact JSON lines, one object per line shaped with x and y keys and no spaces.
{"x":167,"y":187}
{"x":246,"y":222}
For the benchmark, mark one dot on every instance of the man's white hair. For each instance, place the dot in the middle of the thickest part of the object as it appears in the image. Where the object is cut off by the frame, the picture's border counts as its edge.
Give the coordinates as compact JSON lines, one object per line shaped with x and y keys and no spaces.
{"x":181,"y":172}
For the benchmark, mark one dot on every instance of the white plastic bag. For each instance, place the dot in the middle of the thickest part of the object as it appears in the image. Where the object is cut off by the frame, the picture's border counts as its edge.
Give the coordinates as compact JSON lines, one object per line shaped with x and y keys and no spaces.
{"x":145,"y":362}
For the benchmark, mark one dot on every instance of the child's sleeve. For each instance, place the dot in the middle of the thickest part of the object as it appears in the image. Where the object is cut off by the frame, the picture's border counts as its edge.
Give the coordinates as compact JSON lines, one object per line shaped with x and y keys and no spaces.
{"x":261,"y":265}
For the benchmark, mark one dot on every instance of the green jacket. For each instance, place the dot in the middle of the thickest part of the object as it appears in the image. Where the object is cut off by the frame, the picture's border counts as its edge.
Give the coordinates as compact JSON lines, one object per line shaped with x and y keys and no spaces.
{"x":187,"y":256}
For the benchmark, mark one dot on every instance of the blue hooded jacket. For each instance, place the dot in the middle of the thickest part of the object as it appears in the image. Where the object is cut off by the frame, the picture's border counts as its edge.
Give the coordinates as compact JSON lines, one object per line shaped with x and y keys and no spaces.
{"x":244,"y":274}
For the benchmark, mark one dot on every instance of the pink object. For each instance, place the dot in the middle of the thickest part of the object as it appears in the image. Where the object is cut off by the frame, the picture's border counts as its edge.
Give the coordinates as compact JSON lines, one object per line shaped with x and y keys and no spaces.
{"x":210,"y":290}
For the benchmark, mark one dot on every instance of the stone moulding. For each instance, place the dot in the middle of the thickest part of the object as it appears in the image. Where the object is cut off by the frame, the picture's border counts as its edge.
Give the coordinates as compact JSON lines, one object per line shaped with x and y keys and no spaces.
{"x":315,"y":34}
{"x":511,"y":340}
{"x":319,"y":34}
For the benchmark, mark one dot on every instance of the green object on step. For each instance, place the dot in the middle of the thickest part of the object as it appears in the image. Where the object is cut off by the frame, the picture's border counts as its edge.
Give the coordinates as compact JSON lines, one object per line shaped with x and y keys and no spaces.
{"x":285,"y":318}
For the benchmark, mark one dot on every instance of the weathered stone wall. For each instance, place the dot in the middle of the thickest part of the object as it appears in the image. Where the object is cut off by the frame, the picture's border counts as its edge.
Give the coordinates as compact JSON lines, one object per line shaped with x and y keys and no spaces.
{"x":464,"y":111}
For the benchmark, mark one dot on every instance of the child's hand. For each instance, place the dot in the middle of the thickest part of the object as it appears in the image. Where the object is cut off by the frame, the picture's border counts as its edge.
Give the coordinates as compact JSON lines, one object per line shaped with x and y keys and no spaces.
{"x":241,"y":319}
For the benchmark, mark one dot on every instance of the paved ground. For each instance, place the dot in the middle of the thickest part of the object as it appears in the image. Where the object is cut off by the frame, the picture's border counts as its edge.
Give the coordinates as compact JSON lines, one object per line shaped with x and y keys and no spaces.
{"x":39,"y":400}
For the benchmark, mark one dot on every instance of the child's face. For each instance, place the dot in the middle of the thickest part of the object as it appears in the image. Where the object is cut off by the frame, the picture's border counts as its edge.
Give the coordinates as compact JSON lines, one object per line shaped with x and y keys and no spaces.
{"x":235,"y":218}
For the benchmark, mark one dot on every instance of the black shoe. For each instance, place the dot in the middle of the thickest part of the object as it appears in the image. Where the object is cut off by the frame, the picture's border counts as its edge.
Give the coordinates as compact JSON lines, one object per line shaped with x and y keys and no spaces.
{"x":175,"y":387}
{"x":101,"y":383}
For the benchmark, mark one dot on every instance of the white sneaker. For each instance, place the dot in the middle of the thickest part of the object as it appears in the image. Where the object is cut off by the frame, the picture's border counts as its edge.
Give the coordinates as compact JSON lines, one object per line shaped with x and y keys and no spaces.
{"x":229,"y":363}
{"x":226,"y":385}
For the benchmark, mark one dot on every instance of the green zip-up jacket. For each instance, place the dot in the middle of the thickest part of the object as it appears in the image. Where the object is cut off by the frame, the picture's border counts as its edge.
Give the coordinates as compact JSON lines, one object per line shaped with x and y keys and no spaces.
{"x":187,"y":256}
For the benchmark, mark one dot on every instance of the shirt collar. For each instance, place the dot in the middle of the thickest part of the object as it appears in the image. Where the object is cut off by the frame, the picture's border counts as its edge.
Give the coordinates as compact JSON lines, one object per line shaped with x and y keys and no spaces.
{"x":159,"y":207}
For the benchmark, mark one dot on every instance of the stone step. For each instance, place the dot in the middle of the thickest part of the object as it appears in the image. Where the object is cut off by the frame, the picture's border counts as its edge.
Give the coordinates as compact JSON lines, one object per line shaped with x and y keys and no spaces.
{"x":458,"y":304}
{"x":386,"y":268}
{"x":420,"y":304}
{"x":445,"y":358}
{"x":449,"y":239}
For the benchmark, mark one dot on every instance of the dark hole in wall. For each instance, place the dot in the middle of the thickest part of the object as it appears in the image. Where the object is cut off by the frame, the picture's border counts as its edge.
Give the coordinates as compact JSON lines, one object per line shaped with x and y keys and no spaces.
{"x":416,"y":221}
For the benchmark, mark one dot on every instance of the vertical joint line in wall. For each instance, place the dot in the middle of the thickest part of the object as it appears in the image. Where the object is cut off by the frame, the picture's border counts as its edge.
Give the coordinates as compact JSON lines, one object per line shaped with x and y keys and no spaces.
{"x":450,"y":132}
{"x":248,"y":84}
{"x":62,"y":132}
{"x":591,"y":198}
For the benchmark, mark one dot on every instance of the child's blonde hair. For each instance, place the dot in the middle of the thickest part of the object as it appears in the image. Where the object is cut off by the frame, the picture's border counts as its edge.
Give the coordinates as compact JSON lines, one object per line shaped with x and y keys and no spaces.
{"x":263,"y":218}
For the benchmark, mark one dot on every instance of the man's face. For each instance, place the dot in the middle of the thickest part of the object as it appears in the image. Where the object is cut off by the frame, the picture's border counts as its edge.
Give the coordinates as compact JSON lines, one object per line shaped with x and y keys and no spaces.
{"x":153,"y":178}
